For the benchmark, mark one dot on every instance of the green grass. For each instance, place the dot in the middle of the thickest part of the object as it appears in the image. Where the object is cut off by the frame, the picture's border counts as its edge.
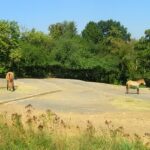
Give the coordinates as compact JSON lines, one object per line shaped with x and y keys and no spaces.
{"x":49,"y":132}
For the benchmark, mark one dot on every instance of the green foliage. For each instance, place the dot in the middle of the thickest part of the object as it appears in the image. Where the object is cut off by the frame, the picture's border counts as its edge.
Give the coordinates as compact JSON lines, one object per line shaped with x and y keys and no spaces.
{"x":104,"y":52}
{"x":114,"y":29}
{"x":33,"y":55}
{"x":2,"y":70}
{"x":71,"y":53}
{"x":97,"y":32}
{"x":38,"y":39}
{"x":142,"y":48}
{"x":147,"y":35}
{"x":65,"y":29}
{"x":91,"y":32}
{"x":9,"y":42}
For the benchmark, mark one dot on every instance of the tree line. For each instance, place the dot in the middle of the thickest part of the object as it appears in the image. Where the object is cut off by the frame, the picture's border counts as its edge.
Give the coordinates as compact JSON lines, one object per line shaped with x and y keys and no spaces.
{"x":103,"y":52}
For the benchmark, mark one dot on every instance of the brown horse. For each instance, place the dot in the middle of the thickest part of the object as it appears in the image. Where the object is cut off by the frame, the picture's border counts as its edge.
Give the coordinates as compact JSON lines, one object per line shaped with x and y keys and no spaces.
{"x":135,"y":84}
{"x":10,"y":81}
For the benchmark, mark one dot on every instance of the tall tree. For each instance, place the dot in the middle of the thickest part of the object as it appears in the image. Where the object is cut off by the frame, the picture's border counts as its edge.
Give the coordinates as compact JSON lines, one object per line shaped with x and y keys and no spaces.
{"x":142,"y":48}
{"x":113,"y":28}
{"x":91,"y":32}
{"x":9,"y":42}
{"x":65,"y":29}
{"x":147,"y":35}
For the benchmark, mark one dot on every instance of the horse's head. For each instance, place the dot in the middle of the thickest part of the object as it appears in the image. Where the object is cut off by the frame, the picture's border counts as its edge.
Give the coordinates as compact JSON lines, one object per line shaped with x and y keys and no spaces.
{"x":142,"y":81}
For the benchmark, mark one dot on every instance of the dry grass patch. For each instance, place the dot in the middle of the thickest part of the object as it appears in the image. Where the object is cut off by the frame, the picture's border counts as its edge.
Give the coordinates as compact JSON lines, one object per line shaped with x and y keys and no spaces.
{"x":49,"y":131}
{"x":131,"y":104}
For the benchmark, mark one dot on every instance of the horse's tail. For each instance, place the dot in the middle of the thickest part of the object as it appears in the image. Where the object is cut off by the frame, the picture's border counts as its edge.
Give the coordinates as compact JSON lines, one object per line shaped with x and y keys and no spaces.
{"x":9,"y":76}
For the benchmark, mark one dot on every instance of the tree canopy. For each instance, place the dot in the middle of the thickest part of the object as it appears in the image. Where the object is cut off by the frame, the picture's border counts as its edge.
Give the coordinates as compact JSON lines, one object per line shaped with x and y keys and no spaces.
{"x":103,"y":52}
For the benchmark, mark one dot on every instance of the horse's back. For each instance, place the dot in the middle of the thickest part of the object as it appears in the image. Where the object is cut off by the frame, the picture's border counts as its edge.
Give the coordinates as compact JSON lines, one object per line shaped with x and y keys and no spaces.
{"x":132,"y":83}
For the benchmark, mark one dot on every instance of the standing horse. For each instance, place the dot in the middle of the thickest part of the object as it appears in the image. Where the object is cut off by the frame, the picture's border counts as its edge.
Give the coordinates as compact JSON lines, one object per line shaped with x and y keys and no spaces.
{"x":10,"y":81}
{"x":135,"y":84}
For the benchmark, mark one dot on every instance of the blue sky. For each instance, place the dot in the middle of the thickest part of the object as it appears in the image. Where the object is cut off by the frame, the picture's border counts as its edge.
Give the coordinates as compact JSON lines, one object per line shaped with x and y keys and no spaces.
{"x":133,"y":14}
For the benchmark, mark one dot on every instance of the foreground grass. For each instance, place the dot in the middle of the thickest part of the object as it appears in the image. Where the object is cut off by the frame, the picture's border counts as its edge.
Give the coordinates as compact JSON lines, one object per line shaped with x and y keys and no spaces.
{"x":48,"y":132}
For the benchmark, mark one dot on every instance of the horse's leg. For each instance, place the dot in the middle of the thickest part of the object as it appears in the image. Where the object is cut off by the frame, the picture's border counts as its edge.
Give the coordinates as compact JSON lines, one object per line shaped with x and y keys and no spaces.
{"x":127,"y":89}
{"x":10,"y":85}
{"x":13,"y":87}
{"x":7,"y":85}
{"x":138,"y":90}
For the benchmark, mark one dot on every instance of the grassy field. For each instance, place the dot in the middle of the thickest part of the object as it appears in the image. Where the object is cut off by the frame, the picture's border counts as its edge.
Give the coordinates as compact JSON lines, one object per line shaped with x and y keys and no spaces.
{"x":47,"y":131}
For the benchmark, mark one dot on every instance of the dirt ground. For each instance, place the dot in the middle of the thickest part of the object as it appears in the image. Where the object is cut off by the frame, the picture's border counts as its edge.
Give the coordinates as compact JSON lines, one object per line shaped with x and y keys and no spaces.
{"x":78,"y":101}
